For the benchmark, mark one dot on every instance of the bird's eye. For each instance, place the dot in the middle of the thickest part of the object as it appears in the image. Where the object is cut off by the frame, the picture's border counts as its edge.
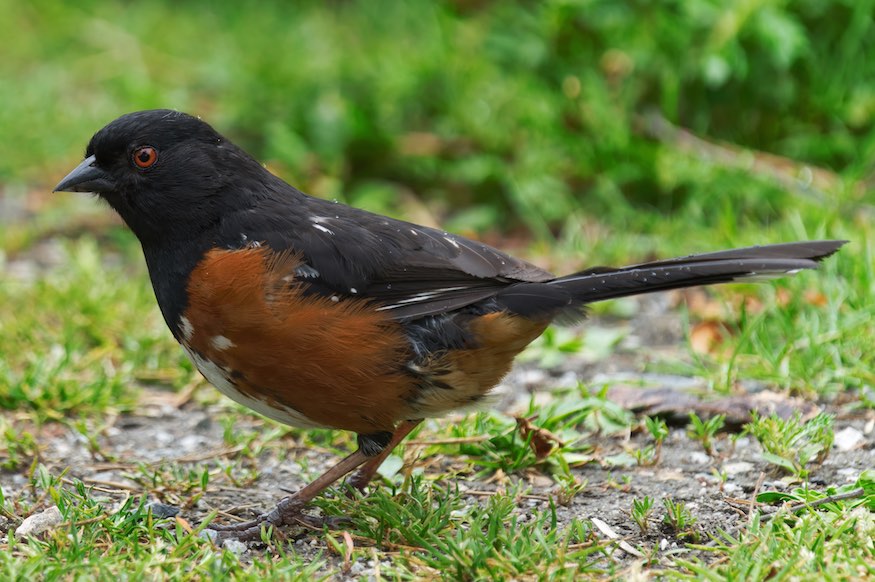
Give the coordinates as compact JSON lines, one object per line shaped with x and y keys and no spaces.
{"x":145,"y":157}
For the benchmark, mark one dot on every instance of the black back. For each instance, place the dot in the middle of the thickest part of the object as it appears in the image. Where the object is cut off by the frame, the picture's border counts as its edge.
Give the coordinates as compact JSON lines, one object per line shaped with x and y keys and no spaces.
{"x":205,"y":192}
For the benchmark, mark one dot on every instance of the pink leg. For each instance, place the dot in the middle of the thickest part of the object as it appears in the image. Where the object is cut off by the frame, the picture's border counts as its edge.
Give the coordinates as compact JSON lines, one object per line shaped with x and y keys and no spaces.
{"x":289,"y":509}
{"x":366,"y":472}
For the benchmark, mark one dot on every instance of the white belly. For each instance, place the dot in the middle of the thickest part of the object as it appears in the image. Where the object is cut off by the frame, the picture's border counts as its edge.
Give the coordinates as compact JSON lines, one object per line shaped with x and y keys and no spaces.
{"x":219,"y":377}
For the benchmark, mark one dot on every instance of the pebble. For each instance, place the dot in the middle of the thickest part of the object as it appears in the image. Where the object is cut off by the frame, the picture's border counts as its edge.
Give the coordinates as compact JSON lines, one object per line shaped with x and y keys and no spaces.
{"x":731,"y":488}
{"x":191,"y":442}
{"x":162,"y":510}
{"x":533,"y":377}
{"x":568,"y":379}
{"x":39,"y":522}
{"x":699,"y":458}
{"x":742,"y":443}
{"x":849,"y":438}
{"x":737,"y":467}
{"x":163,"y":437}
{"x":236,"y":547}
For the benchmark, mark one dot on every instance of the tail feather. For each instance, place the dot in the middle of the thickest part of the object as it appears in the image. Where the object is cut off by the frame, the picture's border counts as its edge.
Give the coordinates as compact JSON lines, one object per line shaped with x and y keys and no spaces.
{"x":749,"y":263}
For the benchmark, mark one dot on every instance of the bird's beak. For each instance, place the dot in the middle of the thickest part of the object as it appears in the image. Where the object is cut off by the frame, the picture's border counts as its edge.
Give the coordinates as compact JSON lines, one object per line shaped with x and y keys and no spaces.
{"x":87,"y":177}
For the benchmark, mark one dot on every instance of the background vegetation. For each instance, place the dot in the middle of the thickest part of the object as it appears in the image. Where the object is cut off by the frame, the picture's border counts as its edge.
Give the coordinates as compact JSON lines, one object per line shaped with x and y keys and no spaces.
{"x":575,"y":131}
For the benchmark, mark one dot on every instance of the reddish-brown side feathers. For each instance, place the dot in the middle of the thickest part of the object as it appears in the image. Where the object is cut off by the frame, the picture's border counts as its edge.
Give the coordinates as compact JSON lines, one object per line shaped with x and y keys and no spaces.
{"x":472,"y":373}
{"x":337,"y":363}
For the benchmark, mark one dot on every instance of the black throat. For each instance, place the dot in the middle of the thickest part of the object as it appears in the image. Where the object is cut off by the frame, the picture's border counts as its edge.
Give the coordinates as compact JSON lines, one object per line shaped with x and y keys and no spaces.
{"x":169,"y":269}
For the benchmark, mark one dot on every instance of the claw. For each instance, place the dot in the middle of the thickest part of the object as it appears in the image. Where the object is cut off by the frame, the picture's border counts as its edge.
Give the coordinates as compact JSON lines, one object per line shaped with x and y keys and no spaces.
{"x":289,"y":510}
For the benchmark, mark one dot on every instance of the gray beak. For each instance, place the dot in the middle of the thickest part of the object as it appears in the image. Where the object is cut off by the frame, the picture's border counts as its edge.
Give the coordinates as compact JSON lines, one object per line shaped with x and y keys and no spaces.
{"x":87,"y":177}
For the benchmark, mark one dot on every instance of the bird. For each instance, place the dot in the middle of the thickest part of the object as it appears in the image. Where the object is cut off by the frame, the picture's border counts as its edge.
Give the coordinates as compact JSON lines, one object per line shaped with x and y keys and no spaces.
{"x":317,"y":314}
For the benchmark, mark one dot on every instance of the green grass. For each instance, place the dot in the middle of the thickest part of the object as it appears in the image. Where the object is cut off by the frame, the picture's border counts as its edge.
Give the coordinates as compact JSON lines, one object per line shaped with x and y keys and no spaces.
{"x":830,"y":545}
{"x":99,"y":540}
{"x":91,"y":332}
{"x":577,"y":133}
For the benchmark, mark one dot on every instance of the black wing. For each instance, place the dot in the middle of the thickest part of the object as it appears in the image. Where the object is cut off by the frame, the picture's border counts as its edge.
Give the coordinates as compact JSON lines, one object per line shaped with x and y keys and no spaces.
{"x":413,"y":271}
{"x":406,"y":269}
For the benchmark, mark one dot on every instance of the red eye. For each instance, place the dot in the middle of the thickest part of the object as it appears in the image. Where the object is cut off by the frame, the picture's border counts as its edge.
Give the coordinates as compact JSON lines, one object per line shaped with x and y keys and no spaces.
{"x":145,"y":156}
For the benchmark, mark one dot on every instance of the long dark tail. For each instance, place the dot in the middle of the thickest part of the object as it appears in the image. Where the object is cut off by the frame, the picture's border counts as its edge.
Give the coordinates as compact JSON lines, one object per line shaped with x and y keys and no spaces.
{"x":769,"y":261}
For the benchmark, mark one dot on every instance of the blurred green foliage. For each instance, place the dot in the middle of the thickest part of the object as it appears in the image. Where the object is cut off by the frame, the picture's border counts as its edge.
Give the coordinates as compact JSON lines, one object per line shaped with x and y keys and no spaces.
{"x":501,"y":111}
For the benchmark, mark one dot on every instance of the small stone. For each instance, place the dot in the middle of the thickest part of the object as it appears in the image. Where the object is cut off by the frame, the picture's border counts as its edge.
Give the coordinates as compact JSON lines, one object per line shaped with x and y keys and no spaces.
{"x":737,"y":467}
{"x":566,"y":380}
{"x":731,"y":488}
{"x":191,"y":442}
{"x":236,"y":547}
{"x":162,"y":510}
{"x":542,"y":481}
{"x":39,"y":522}
{"x":163,"y":437}
{"x":699,"y":458}
{"x":848,"y":438}
{"x":533,"y":377}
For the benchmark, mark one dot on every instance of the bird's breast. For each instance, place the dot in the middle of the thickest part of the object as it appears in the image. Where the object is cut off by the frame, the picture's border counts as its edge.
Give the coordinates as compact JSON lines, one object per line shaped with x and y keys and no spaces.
{"x":301,"y":359}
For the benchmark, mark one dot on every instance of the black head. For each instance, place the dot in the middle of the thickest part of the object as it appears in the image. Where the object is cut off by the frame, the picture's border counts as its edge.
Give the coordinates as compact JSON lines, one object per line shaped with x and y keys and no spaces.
{"x":168,"y":174}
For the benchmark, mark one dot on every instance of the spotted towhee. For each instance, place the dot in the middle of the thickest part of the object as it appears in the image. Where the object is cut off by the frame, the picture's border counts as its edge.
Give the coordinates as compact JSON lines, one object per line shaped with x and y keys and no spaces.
{"x":317,"y":314}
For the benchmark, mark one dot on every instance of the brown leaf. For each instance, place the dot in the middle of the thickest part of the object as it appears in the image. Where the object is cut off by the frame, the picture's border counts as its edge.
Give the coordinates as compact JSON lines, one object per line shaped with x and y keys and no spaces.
{"x":707,"y":337}
{"x":783,"y":297}
{"x":542,"y":440}
{"x":815,"y":298}
{"x":347,"y":558}
{"x":183,"y":523}
{"x":752,"y":304}
{"x":702,"y":305}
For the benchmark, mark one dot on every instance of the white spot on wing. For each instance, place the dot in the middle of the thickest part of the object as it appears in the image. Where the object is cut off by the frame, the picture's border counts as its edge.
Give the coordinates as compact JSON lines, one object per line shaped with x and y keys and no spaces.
{"x":323,"y":229}
{"x":424,"y":296}
{"x":186,"y":327}
{"x":305,"y":271}
{"x":451,"y":241}
{"x":220,"y":342}
{"x":220,"y":378}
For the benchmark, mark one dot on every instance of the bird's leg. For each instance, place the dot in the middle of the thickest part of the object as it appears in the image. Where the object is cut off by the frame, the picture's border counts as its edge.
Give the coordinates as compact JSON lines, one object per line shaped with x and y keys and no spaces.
{"x":366,"y":472}
{"x":373,"y":447}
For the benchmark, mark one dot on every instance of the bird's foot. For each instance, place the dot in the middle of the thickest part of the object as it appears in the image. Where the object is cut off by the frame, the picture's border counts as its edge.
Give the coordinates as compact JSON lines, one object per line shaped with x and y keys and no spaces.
{"x":289,"y":511}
